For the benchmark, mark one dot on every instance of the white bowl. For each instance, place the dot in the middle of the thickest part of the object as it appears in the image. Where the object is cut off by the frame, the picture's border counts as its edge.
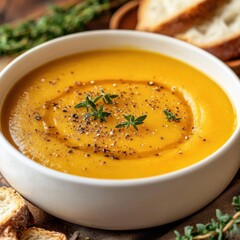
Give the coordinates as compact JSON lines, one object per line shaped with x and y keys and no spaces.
{"x":121,"y":204}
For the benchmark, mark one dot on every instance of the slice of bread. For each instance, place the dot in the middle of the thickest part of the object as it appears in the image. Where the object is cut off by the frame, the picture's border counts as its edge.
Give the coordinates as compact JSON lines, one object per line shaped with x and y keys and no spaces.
{"x":35,"y":233}
{"x":13,"y":210}
{"x":171,"y":17}
{"x":220,"y":34}
{"x":8,"y":234}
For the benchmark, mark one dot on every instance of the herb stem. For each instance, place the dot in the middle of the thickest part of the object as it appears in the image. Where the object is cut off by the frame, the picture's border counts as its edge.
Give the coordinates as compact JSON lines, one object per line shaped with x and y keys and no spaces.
{"x":206,"y":236}
{"x":132,"y":121}
{"x":231,"y":222}
{"x":225,"y":229}
{"x":226,"y":226}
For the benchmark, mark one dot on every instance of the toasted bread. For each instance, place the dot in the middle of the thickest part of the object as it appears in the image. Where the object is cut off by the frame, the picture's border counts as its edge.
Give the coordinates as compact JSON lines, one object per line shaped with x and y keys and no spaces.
{"x":171,"y":17}
{"x":13,"y":210}
{"x":219,"y":34}
{"x":8,"y":234}
{"x":35,"y":233}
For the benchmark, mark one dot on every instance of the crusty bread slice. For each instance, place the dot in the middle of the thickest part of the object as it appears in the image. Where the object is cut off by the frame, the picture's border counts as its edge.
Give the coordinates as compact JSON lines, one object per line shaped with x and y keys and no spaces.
{"x":8,"y":234}
{"x":13,"y":210}
{"x":220,"y":34}
{"x":35,"y":233}
{"x":171,"y":17}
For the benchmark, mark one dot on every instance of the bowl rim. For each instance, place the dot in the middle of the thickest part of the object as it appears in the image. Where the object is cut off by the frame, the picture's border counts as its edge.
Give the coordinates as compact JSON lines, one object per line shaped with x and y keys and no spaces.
{"x":123,"y":182}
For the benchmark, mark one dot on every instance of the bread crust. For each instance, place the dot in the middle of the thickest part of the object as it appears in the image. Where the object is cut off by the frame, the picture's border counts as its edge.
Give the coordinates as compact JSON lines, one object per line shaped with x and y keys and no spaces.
{"x":234,"y":65}
{"x":17,"y":218}
{"x":34,"y":233}
{"x":181,"y":22}
{"x":9,"y":234}
{"x":225,"y":50}
{"x":229,"y":49}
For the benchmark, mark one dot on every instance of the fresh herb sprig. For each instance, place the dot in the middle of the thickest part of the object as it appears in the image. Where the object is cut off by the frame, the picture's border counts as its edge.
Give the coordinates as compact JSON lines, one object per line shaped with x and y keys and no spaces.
{"x":132,"y":121}
{"x":89,"y":100}
{"x":170,"y":116}
{"x":107,"y":97}
{"x":88,"y":103}
{"x":226,"y":226}
{"x":97,"y":114}
{"x":58,"y":22}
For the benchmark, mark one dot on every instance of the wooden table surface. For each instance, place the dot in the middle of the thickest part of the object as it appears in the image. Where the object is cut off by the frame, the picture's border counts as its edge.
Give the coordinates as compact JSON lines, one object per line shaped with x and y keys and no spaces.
{"x":11,"y":10}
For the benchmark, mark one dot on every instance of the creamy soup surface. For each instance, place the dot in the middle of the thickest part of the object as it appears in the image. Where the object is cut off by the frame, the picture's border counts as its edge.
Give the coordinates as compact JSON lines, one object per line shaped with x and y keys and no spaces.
{"x":48,"y":117}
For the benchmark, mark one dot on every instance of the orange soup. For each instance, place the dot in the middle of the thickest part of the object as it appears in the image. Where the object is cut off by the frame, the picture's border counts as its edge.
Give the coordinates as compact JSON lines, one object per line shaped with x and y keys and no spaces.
{"x":117,"y":114}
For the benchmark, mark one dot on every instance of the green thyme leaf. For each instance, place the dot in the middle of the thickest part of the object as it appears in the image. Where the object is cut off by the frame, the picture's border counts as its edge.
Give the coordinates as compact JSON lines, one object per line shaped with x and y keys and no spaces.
{"x":107,"y":97}
{"x":236,"y":203}
{"x":121,"y":125}
{"x":170,"y":116}
{"x":188,"y":232}
{"x":80,"y":105}
{"x":88,"y":103}
{"x":222,"y":218}
{"x":131,"y":121}
{"x":141,"y":118}
{"x":91,"y":103}
{"x":97,"y":114}
{"x":97,"y":98}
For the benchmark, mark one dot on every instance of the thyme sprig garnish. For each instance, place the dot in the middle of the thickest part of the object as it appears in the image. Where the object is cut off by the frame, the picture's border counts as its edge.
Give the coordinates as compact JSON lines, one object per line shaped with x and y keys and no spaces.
{"x":171,"y":117}
{"x":107,"y":97}
{"x":226,"y":226}
{"x":132,"y":121}
{"x":97,"y":114}
{"x":88,"y":103}
{"x":58,"y":22}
